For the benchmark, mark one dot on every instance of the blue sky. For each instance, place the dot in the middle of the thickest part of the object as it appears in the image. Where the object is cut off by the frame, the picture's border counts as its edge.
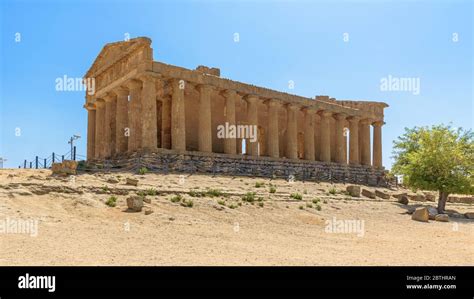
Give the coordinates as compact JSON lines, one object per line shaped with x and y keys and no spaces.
{"x":279,"y":41}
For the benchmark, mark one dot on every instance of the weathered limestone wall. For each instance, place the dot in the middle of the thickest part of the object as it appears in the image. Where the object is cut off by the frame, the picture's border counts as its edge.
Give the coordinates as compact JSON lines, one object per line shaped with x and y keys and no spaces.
{"x":166,"y":161}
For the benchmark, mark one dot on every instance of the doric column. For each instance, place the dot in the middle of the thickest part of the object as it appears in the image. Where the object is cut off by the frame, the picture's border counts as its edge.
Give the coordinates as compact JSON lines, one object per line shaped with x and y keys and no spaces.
{"x":326,"y":136}
{"x":354,"y":140}
{"x":230,"y":144}
{"x":252,"y":120}
{"x":121,"y":121}
{"x":273,"y":131}
{"x":99,"y":125}
{"x":205,"y":131}
{"x":317,"y":136}
{"x":377,"y":151}
{"x":340,"y":138}
{"x":178,"y":125}
{"x":149,"y":141}
{"x":91,"y":119}
{"x":332,"y":130}
{"x":309,"y":134}
{"x":134,"y":120}
{"x":292,"y":132}
{"x":166,"y":122}
{"x":110,"y":112}
{"x":365,"y":146}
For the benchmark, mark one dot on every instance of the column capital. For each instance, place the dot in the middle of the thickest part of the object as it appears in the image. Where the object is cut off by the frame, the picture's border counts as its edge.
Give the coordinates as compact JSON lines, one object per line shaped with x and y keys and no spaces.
{"x":229,"y":93}
{"x":99,"y":102}
{"x":133,"y":84}
{"x":251,"y":98}
{"x":310,"y":109}
{"x":274,"y":103}
{"x":340,"y":116}
{"x":121,"y":91}
{"x":353,"y":119}
{"x":293,"y":106}
{"x":366,"y":121}
{"x":146,"y":77}
{"x":109,"y":96}
{"x":326,"y":113}
{"x":378,"y":123}
{"x":205,"y":87}
{"x":89,"y":106}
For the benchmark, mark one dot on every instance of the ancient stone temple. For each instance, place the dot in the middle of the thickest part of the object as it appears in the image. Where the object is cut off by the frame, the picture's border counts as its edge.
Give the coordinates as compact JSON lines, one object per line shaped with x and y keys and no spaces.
{"x":169,"y":118}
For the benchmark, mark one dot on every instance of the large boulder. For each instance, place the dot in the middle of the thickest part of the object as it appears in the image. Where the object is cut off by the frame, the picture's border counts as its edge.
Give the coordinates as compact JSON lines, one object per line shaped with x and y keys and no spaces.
{"x":399,"y":195}
{"x":382,"y":194}
{"x":432,"y":212}
{"x":135,"y":203}
{"x":420,"y":214}
{"x":442,"y":218}
{"x":353,"y":190}
{"x":368,"y":193}
{"x":67,"y":167}
{"x":403,"y":200}
{"x":469,"y":215}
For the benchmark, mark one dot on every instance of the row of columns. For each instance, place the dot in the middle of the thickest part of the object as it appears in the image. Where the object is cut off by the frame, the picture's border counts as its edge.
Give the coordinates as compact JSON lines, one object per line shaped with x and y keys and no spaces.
{"x":125,"y":120}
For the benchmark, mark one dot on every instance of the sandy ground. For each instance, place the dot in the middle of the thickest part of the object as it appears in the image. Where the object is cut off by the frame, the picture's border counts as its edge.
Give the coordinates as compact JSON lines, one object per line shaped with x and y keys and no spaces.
{"x":78,"y":228}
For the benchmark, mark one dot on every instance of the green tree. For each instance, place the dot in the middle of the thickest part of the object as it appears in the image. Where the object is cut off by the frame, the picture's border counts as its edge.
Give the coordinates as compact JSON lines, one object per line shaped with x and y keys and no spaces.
{"x":439,"y":158}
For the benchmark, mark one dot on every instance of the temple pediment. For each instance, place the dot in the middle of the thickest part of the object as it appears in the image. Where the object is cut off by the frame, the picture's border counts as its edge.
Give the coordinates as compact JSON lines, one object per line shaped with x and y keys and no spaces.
{"x":112,"y":53}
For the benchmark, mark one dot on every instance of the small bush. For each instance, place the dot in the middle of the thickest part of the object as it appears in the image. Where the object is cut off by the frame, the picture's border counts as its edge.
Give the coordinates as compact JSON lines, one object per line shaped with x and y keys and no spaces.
{"x":272,"y":189}
{"x":332,"y":191}
{"x":221,"y":202}
{"x":260,"y":204}
{"x":260,"y":198}
{"x":316,"y":200}
{"x":193,"y":193}
{"x":318,"y":207}
{"x":309,"y":205}
{"x":259,"y":184}
{"x":301,"y":207}
{"x":296,"y":196}
{"x":249,"y":197}
{"x":177,"y":198}
{"x":213,"y":192}
{"x":232,"y":206}
{"x":143,"y":171}
{"x":151,"y":192}
{"x":188,"y":203}
{"x":112,"y":201}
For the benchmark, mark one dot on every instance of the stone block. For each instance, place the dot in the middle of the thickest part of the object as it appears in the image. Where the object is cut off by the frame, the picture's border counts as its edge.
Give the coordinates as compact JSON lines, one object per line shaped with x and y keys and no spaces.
{"x":135,"y":203}
{"x":382,"y":194}
{"x":353,"y":190}
{"x":368,"y":193}
{"x":420,"y":214}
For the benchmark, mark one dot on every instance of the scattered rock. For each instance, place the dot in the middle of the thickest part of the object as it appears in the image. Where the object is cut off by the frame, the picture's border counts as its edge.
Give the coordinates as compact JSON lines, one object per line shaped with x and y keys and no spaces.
{"x":469,"y":215}
{"x":442,"y":218}
{"x":420,"y":214}
{"x":382,"y":194}
{"x":67,"y":167}
{"x":171,"y":219}
{"x":353,"y":190}
{"x":132,"y":182}
{"x":218,"y":207}
{"x":417,"y":197}
{"x":403,"y":200}
{"x":368,"y":193}
{"x":429,"y":196}
{"x":432,"y":212}
{"x":112,"y":180}
{"x":399,"y":195}
{"x":135,"y":203}
{"x":148,"y":211}
{"x":147,"y":199}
